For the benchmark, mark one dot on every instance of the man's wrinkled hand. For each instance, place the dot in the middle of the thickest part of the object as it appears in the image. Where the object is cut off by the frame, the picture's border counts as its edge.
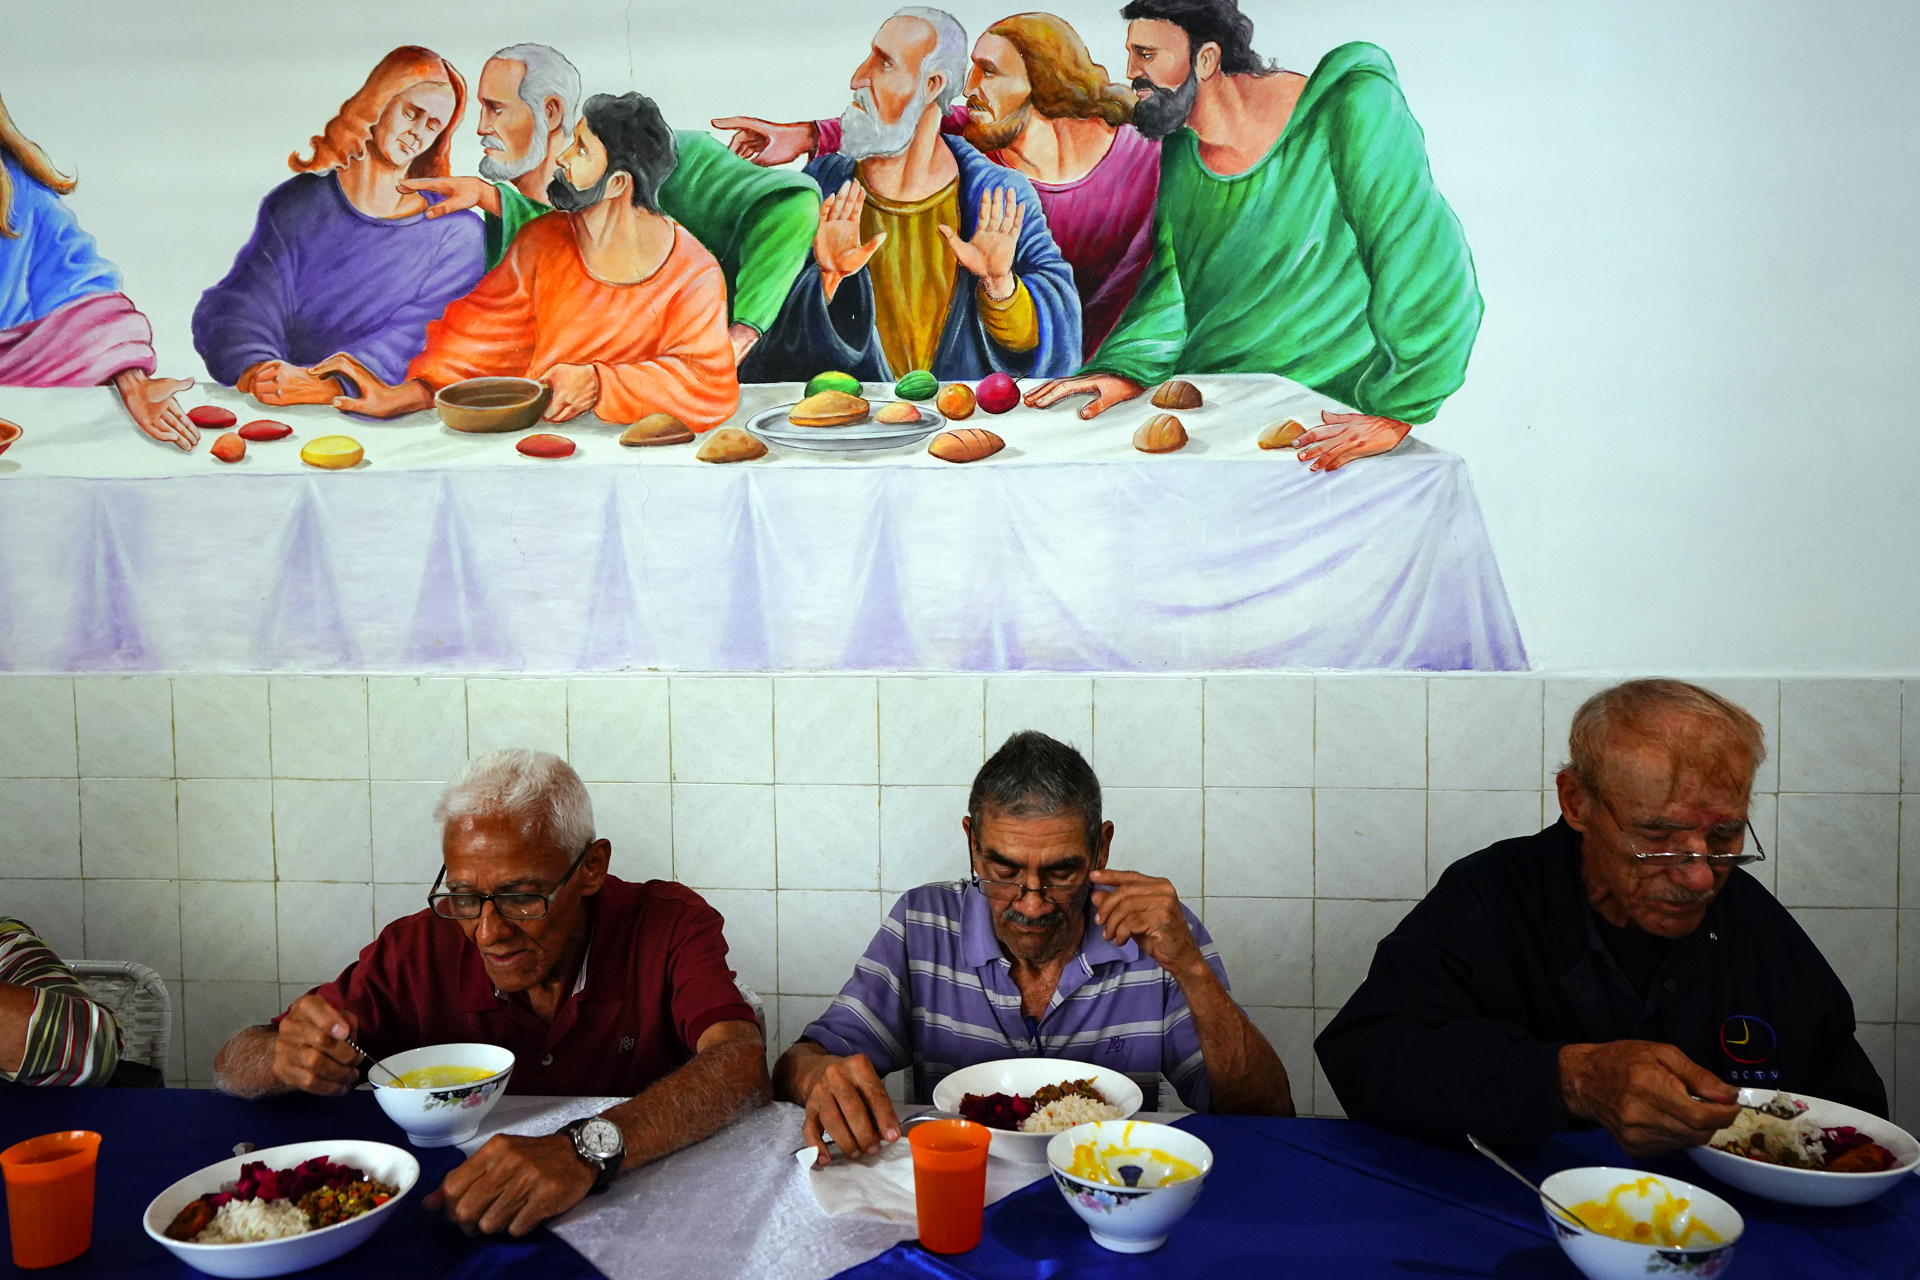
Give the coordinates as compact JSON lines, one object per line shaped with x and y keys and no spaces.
{"x":456,"y":194}
{"x":1342,"y":437}
{"x":576,"y":389}
{"x":150,"y":403}
{"x":311,"y":1052}
{"x":836,"y":245}
{"x":274,"y":382}
{"x":513,"y":1185}
{"x":376,"y":398}
{"x":847,"y":1099}
{"x":996,"y":235}
{"x":1146,"y":908}
{"x":1108,"y":390}
{"x":1644,"y":1093}
{"x":766,"y":143}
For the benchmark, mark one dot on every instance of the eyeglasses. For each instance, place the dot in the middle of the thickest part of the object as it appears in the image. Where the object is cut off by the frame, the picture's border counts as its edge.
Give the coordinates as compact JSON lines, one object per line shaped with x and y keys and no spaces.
{"x":511,"y":906}
{"x":1060,"y":895}
{"x":1660,"y":857}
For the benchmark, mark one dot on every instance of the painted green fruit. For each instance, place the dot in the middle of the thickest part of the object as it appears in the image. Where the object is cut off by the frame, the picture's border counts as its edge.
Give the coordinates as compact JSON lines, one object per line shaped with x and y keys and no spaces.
{"x":918,"y":385}
{"x":834,"y":380}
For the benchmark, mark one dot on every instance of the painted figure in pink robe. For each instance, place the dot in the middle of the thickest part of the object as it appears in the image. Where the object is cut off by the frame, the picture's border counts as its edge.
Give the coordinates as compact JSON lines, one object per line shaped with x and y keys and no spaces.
{"x":63,"y":320}
{"x":1037,"y":102}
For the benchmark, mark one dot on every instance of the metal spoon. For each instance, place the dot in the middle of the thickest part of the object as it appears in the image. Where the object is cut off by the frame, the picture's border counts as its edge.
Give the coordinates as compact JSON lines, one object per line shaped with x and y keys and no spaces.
{"x":376,"y":1062}
{"x":1487,"y":1151}
{"x":905,"y":1125}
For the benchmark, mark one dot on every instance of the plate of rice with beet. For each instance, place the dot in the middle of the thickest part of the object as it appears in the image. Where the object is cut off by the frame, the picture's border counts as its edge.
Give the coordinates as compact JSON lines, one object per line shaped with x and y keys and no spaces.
{"x":1025,"y":1101}
{"x":283,"y":1209}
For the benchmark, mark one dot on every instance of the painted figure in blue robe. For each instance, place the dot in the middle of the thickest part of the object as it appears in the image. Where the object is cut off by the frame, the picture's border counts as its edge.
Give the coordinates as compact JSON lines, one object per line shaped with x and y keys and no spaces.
{"x":63,"y":320}
{"x":929,"y":255}
{"x":343,"y":259}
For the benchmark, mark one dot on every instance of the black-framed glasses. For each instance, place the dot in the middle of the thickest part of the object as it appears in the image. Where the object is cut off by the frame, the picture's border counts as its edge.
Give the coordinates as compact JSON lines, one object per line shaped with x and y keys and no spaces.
{"x":511,"y":906}
{"x":1657,"y":856}
{"x":1059,"y":895}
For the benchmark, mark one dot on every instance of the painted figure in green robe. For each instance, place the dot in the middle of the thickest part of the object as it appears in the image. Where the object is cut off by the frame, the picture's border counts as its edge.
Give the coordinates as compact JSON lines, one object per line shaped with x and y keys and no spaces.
{"x":758,"y":222}
{"x":1298,"y":232}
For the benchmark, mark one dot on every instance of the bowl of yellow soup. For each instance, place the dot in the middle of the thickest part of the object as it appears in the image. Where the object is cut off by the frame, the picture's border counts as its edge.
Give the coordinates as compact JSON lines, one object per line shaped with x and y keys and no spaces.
{"x":1129,"y":1180}
{"x":443,"y":1091}
{"x":1637,"y":1224}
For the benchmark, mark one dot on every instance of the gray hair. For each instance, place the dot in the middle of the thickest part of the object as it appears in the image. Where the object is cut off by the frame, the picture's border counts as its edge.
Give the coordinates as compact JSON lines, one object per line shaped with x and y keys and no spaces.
{"x":549,"y":75}
{"x":542,"y":791}
{"x":950,"y":57}
{"x":1034,"y":776}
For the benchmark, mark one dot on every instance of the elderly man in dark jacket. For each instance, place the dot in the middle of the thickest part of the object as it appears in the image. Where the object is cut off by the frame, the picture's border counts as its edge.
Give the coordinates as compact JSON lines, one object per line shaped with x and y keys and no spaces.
{"x":1616,"y":969}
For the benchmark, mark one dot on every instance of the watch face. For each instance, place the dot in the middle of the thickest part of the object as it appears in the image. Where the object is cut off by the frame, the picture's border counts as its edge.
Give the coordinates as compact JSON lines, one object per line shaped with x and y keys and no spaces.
{"x":600,"y":1139}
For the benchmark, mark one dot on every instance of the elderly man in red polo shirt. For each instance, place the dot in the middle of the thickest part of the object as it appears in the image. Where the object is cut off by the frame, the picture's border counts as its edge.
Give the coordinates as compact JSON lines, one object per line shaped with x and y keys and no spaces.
{"x":599,"y":986}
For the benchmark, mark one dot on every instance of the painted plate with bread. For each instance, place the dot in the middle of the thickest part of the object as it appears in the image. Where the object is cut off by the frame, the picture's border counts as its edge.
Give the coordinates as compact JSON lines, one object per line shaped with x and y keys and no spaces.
{"x":837,"y":423}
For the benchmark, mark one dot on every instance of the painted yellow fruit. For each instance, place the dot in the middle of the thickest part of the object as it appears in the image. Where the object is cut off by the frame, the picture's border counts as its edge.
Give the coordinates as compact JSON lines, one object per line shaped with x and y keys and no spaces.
{"x":332,"y":453}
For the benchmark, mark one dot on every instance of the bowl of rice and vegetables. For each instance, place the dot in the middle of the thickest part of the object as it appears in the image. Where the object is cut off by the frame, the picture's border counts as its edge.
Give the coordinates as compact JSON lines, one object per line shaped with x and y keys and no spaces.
{"x":283,"y":1209}
{"x":1808,"y":1151}
{"x":1025,"y":1101}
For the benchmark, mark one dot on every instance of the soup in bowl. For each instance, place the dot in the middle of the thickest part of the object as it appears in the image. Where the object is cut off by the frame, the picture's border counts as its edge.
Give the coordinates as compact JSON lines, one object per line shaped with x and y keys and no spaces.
{"x":443,"y":1091}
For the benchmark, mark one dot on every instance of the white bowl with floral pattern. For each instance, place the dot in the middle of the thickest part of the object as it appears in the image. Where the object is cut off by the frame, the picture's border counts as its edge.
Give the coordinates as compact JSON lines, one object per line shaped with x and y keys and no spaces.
{"x":443,"y":1116}
{"x":1145,"y":1178}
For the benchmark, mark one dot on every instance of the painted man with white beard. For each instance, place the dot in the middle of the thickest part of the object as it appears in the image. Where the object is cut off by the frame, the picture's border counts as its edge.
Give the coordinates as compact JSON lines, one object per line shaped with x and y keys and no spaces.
{"x":927,"y":254}
{"x":756,"y":223}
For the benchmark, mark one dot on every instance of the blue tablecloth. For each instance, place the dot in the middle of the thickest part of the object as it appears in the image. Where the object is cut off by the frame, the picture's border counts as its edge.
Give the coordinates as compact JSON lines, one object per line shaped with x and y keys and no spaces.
{"x":1330,"y":1197}
{"x":151,"y":1138}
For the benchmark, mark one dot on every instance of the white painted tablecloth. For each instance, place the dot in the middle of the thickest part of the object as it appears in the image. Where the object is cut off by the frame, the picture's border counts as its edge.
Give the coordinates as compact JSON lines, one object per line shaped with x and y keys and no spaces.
{"x":1068,"y":551}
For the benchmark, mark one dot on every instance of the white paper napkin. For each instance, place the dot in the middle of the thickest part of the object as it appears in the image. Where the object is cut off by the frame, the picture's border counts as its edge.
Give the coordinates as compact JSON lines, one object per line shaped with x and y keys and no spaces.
{"x":882,"y":1186}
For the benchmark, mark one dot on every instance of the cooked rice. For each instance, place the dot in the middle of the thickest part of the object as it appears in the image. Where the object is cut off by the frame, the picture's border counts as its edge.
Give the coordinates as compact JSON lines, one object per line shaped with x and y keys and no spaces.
{"x":242,"y":1221}
{"x":1064,"y":1113}
{"x":1793,"y":1140}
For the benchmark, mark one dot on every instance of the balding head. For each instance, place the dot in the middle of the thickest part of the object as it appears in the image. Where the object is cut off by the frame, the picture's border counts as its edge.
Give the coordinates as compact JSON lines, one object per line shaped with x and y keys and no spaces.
{"x":1697,"y":731}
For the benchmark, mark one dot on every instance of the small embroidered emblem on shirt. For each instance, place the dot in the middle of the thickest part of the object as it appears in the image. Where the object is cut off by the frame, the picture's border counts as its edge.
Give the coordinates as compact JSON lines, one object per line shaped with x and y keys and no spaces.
{"x":626,"y":1043}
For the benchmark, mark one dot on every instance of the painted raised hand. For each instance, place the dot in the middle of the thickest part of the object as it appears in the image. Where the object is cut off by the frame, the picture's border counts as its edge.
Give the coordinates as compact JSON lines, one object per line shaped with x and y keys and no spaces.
{"x":836,"y":245}
{"x":996,"y":235}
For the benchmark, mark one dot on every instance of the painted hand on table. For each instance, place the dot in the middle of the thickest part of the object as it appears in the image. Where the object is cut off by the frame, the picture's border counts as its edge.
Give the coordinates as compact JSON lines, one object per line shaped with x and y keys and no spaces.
{"x":513,"y":1185}
{"x":1643,"y":1093}
{"x":1342,"y":437}
{"x":847,"y":1099}
{"x":376,"y":398}
{"x":996,"y":234}
{"x":1146,"y":909}
{"x":1108,"y":389}
{"x":276,"y":382}
{"x":151,"y":404}
{"x":311,"y":1052}
{"x":576,"y":389}
{"x":766,"y":143}
{"x":836,"y":245}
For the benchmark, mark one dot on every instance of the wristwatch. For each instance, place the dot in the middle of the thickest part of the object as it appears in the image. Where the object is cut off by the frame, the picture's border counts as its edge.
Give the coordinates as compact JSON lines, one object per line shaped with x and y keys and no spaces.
{"x":598,"y":1142}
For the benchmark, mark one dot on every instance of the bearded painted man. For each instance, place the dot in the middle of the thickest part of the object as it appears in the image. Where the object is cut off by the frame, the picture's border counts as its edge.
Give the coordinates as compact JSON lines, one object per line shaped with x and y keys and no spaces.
{"x":63,"y":320}
{"x":1299,"y":232}
{"x":606,"y":299}
{"x":759,"y":225}
{"x":1038,"y":103}
{"x":928,"y":255}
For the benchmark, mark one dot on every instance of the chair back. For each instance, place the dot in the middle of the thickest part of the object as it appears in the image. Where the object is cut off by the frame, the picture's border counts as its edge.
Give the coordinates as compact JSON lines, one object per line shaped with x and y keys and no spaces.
{"x":138,"y":1000}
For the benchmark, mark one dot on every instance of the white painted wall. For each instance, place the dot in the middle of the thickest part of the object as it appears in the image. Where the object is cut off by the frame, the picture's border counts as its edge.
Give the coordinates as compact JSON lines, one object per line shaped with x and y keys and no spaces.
{"x":1689,"y":416}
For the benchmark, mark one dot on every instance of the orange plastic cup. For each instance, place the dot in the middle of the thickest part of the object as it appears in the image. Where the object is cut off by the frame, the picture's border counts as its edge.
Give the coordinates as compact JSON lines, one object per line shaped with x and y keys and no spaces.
{"x":949,"y":1182}
{"x":50,"y":1196}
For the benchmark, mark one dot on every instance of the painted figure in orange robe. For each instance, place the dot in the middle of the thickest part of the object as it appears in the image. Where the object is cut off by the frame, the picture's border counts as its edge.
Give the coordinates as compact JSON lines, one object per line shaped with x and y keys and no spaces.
{"x":612,"y":304}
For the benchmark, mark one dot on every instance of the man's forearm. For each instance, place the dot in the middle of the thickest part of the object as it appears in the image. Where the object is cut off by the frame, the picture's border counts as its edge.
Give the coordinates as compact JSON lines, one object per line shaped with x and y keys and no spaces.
{"x":244,"y":1065}
{"x":1247,"y":1075}
{"x":710,"y":1092}
{"x":16,"y":1011}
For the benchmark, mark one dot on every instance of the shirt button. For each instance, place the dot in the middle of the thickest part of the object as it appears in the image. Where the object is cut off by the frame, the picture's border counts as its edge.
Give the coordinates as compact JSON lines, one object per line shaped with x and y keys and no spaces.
{"x":548,"y":1060}
{"x":1670,"y":985}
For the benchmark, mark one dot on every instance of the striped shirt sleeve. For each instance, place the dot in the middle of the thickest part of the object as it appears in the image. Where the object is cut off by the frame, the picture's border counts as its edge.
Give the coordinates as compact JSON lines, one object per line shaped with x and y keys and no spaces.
{"x":71,"y":1040}
{"x":871,"y":1013}
{"x":1181,"y":1060}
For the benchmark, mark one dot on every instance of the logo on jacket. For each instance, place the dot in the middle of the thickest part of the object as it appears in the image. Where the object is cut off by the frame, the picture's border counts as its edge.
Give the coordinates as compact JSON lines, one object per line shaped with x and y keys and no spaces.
{"x":1749,"y":1042}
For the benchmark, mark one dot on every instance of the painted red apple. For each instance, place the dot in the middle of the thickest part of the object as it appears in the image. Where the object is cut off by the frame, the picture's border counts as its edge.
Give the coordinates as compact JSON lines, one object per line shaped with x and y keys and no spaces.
{"x":229,"y":448}
{"x":543,"y":445}
{"x":211,"y":417}
{"x":265,"y":429}
{"x":998,"y":393}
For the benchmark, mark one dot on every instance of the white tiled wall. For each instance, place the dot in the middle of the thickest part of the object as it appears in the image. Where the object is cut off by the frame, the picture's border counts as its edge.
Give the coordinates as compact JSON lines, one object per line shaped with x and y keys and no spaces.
{"x":246,"y":835}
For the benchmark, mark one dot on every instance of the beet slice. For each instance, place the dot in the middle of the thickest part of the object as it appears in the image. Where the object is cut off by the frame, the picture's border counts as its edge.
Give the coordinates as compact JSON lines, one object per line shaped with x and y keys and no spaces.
{"x":265,"y":429}
{"x":543,"y":445}
{"x":211,"y":416}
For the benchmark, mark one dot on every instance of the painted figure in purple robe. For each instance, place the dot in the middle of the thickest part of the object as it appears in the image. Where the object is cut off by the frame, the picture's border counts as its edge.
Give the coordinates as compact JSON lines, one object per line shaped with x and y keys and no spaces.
{"x":63,"y":320}
{"x":1038,"y":103}
{"x":342,"y":261}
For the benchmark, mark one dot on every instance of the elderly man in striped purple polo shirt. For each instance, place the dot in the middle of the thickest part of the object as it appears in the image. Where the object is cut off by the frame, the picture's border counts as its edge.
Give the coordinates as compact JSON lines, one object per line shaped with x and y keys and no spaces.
{"x":1042,"y":952}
